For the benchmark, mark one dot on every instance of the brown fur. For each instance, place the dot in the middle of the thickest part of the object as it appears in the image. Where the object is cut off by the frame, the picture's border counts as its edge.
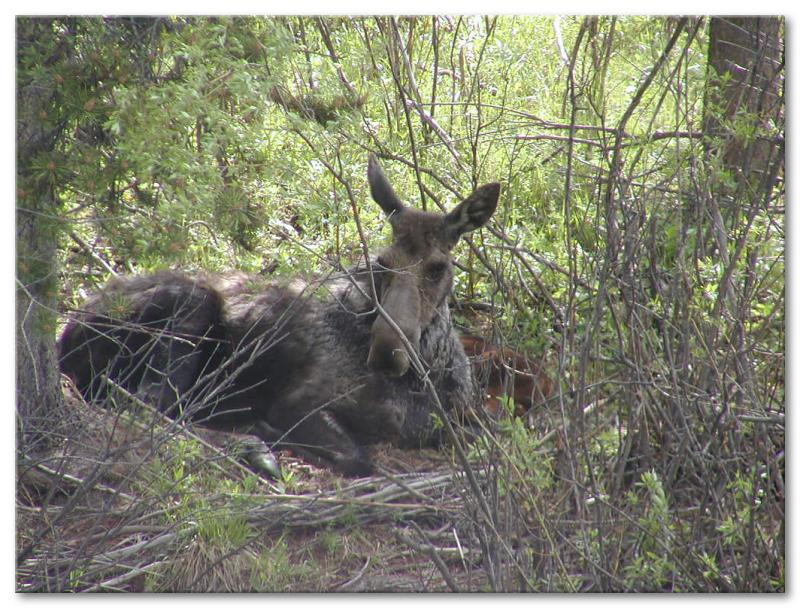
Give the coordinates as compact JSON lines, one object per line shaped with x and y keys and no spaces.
{"x":503,"y":372}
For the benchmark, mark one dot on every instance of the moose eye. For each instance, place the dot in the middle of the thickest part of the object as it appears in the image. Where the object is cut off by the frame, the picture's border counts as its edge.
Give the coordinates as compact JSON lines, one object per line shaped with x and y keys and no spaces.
{"x":435,"y":271}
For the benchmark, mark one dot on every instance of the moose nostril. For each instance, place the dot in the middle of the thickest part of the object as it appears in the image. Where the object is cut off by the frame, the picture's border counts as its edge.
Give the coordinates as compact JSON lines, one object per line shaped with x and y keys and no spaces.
{"x":397,"y":417}
{"x":400,"y":359}
{"x":388,"y":360}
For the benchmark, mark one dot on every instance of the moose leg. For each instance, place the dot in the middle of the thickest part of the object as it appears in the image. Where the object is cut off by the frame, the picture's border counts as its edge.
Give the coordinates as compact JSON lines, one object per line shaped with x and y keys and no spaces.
{"x":176,"y":379}
{"x":319,"y":436}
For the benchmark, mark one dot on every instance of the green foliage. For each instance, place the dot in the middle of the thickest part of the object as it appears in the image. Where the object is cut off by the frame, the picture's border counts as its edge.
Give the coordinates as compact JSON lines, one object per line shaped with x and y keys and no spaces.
{"x":231,"y":531}
{"x":652,"y":568}
{"x":274,"y":570}
{"x":530,"y":462}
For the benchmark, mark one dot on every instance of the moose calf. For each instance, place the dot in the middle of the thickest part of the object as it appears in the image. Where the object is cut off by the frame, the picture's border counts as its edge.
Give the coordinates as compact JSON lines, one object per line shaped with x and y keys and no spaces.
{"x":501,"y":371}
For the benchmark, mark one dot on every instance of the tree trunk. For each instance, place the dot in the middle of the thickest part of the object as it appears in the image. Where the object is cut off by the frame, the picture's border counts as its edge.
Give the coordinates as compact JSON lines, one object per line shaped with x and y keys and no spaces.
{"x":743,"y":95}
{"x":39,"y":396}
{"x":743,"y":125}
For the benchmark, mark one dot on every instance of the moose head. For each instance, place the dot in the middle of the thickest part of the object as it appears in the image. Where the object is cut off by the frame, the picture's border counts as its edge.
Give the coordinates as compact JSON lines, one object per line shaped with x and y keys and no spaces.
{"x":416,"y":270}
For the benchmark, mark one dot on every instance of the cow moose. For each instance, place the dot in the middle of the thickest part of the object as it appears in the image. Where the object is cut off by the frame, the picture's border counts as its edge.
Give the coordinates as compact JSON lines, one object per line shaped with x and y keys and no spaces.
{"x":319,"y":364}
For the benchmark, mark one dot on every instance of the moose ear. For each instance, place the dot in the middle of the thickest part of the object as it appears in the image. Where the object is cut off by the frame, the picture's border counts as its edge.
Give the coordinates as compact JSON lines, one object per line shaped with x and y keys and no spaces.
{"x":380,"y":188}
{"x":473,"y":212}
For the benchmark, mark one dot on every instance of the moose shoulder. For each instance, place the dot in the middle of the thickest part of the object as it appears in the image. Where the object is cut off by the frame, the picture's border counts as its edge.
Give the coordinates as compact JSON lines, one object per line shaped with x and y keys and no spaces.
{"x":319,"y":364}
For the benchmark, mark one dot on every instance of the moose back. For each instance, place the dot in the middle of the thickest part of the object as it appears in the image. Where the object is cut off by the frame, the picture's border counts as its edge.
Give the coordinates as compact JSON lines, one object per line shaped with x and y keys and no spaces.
{"x":318,"y":364}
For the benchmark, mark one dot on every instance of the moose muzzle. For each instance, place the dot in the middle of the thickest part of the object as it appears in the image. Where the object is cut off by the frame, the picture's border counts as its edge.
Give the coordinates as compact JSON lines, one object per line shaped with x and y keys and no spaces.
{"x":387,"y":353}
